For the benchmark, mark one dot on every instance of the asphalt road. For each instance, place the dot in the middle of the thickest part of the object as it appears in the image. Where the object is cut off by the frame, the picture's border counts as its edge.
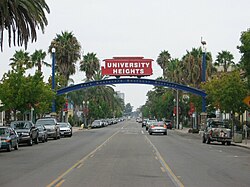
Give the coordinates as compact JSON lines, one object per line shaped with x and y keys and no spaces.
{"x":125,"y":155}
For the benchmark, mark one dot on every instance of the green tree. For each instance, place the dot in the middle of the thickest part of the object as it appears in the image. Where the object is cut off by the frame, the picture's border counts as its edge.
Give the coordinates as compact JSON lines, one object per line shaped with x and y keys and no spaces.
{"x":173,"y":72}
{"x":90,"y":64}
{"x":224,"y":59}
{"x":21,"y":18}
{"x":191,"y":67}
{"x":67,"y":54}
{"x":20,"y":61}
{"x":227,"y":92}
{"x":37,"y":59}
{"x":163,"y":61}
{"x":244,"y":49}
{"x":128,"y":108}
{"x":20,"y":93}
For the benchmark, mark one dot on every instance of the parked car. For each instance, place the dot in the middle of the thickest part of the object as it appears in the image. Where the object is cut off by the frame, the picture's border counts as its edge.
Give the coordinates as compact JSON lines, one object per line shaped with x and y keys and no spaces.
{"x":43,"y":135}
{"x":168,"y":123}
{"x":26,"y":131}
{"x":158,"y":127}
{"x":65,"y":129}
{"x":217,"y":130}
{"x":144,"y":122}
{"x":8,"y":138}
{"x":96,"y":124}
{"x":52,"y":127}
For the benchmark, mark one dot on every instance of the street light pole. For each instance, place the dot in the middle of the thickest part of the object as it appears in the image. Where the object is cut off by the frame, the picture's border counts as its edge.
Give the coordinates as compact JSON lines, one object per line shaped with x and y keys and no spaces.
{"x":85,"y":109}
{"x":53,"y":78}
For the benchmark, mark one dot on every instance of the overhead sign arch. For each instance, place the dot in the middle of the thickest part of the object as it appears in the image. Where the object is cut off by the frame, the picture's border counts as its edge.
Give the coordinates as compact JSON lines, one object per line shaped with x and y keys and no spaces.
{"x":132,"y":81}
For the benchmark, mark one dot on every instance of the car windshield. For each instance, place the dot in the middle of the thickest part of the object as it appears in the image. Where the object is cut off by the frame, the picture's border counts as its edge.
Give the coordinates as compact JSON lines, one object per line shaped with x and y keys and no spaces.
{"x":46,"y":122}
{"x":219,"y":124}
{"x":63,"y":125}
{"x":159,"y":124}
{"x":20,"y":125}
{"x":40,"y":127}
{"x":3,"y":131}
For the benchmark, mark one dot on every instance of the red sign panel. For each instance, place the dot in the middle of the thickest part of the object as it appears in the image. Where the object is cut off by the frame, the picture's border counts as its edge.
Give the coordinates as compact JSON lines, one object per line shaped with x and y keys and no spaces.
{"x":127,"y":66}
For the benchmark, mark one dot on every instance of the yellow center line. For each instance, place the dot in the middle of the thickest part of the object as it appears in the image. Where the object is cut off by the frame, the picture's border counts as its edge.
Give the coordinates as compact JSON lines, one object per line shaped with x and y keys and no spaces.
{"x":80,"y":162}
{"x":173,"y":177}
{"x":80,"y":165}
{"x":60,"y":183}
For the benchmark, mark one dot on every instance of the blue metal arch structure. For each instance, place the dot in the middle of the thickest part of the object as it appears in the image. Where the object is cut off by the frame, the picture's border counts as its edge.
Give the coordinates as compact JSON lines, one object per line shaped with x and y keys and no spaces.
{"x":132,"y":81}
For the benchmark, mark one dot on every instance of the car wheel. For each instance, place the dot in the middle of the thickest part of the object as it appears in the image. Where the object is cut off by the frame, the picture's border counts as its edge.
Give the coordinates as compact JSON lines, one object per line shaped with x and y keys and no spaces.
{"x":46,"y":139}
{"x":16,"y":147}
{"x":228,"y":143}
{"x":36,"y":140}
{"x":59,"y":136}
{"x":208,"y":140}
{"x":30,"y":142}
{"x":165,"y":133}
{"x":9,"y":148}
{"x":203,"y":140}
{"x":43,"y":140}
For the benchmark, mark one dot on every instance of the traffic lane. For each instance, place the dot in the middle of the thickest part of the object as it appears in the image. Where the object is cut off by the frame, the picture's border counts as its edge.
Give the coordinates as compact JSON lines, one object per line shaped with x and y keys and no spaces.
{"x":198,"y":164}
{"x":125,"y":160}
{"x":43,"y":162}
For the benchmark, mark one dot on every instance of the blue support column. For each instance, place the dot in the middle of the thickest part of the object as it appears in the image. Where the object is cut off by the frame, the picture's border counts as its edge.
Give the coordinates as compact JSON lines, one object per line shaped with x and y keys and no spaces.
{"x":203,"y":78}
{"x":204,"y":66}
{"x":53,"y":79}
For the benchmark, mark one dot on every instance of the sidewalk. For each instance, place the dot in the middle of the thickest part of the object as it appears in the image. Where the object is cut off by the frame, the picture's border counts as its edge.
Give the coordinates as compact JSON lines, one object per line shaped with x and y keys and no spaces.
{"x":75,"y":129}
{"x":243,"y":144}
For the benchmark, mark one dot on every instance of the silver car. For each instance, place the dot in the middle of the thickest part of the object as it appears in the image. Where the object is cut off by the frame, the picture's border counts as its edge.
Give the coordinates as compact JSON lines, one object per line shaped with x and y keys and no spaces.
{"x":96,"y":124}
{"x":158,"y":127}
{"x":52,"y":127}
{"x":65,"y":129}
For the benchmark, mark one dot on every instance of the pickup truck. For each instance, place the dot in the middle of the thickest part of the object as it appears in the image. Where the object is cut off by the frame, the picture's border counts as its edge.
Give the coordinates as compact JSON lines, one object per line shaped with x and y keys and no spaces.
{"x":217,"y":130}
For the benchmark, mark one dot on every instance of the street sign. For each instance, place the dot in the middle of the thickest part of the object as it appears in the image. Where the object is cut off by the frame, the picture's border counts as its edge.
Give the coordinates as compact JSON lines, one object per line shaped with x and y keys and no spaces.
{"x":247,"y":101}
{"x":127,"y":66}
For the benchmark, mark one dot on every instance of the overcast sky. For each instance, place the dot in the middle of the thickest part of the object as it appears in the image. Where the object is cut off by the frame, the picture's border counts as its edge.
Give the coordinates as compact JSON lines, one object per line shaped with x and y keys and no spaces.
{"x":142,"y":28}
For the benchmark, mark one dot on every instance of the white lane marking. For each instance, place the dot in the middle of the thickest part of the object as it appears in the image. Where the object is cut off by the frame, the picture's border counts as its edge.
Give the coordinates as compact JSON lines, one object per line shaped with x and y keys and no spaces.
{"x":168,"y":170}
{"x":142,"y":132}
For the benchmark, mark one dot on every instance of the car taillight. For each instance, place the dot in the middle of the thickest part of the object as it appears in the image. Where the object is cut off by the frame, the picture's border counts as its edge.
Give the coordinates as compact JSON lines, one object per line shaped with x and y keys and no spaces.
{"x":6,"y":140}
{"x":165,"y":126}
{"x":152,"y":126}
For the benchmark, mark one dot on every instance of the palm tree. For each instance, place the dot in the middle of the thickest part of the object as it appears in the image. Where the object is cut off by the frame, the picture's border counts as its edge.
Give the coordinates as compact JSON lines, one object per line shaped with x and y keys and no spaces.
{"x":68,"y":51}
{"x":21,"y":18}
{"x":173,"y":71}
{"x":90,"y":64}
{"x":225,"y":59}
{"x":20,"y":61}
{"x":191,"y":67}
{"x":37,"y":59}
{"x":163,"y":60}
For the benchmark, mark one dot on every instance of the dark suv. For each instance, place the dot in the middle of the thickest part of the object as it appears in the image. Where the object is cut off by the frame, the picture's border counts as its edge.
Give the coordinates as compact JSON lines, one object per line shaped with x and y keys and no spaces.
{"x":26,"y":131}
{"x":51,"y":126}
